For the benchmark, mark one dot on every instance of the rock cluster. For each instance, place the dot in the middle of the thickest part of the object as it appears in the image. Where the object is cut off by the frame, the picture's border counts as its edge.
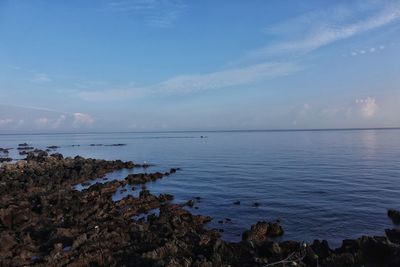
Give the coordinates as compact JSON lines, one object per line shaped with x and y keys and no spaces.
{"x":45,"y":222}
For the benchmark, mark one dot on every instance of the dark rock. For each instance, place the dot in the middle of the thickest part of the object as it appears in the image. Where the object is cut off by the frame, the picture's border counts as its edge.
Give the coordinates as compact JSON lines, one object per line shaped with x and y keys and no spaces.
{"x":25,"y":148}
{"x":190,"y":203}
{"x":236,"y":202}
{"x":270,"y":249}
{"x":261,"y":231}
{"x":5,"y":159}
{"x":393,"y":235}
{"x":394,"y":215}
{"x":116,"y":145}
{"x":57,"y":156}
{"x":23,"y":144}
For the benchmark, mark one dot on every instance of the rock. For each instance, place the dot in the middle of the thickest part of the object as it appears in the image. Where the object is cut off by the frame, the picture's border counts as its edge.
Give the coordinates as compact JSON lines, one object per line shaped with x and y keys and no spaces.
{"x":23,"y":144}
{"x":189,"y":203}
{"x":44,"y":221}
{"x":394,"y":215}
{"x":116,"y":145}
{"x":57,"y":156}
{"x":236,"y":202}
{"x":321,"y":248}
{"x":393,"y":235}
{"x":270,"y":249}
{"x":5,"y":159}
{"x":25,"y":148}
{"x":275,"y":230}
{"x":261,"y":231}
{"x":7,"y":242}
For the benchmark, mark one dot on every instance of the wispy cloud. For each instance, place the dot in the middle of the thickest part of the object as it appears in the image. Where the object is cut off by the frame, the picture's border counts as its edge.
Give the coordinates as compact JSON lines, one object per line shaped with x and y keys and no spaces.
{"x":41,"y":78}
{"x":35,"y":76}
{"x":297,"y":36}
{"x":156,"y":13}
{"x":311,"y":31}
{"x":227,"y":78}
{"x":111,"y":95}
{"x":197,"y":82}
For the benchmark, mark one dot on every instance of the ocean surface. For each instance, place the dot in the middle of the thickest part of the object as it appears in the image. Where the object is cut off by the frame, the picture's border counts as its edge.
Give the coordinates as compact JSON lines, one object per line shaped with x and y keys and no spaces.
{"x":329,"y":185}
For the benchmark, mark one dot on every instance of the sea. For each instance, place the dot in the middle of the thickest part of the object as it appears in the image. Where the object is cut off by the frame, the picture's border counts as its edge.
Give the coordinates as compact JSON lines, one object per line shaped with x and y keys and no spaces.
{"x":320,"y":184}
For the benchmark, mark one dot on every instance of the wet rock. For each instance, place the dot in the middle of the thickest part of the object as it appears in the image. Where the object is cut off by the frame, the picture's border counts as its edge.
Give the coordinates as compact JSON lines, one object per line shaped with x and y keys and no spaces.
{"x":270,"y":249}
{"x":53,"y":147}
{"x":57,"y":156}
{"x":5,"y":150}
{"x":236,"y":202}
{"x":261,"y":231}
{"x":394,"y":215}
{"x":165,"y":197}
{"x":190,"y":203}
{"x":25,"y":148}
{"x":393,"y":235}
{"x":5,"y":159}
{"x":116,"y":145}
{"x":23,"y":144}
{"x":321,"y":248}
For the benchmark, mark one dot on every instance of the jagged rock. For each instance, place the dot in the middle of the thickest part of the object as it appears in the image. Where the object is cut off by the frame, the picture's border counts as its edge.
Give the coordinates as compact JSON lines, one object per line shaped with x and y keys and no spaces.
{"x":261,"y":231}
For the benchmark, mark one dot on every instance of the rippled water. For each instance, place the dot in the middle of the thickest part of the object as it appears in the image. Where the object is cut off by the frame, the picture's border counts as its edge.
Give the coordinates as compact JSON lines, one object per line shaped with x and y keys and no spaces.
{"x":321,"y":184}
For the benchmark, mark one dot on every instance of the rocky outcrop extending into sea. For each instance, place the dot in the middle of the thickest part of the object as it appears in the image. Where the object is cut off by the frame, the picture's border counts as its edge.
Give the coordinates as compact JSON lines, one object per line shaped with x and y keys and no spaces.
{"x":45,"y":221}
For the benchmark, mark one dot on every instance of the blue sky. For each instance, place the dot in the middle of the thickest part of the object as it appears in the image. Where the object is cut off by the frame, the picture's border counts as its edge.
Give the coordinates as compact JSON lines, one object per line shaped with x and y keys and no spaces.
{"x":144,"y":65}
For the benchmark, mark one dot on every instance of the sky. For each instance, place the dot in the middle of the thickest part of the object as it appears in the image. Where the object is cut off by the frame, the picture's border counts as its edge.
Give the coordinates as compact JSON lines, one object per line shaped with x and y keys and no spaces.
{"x":172,"y":65}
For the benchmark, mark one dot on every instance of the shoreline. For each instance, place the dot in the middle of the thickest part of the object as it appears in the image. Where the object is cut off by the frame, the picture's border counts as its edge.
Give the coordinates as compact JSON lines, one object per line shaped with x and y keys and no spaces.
{"x":45,"y":221}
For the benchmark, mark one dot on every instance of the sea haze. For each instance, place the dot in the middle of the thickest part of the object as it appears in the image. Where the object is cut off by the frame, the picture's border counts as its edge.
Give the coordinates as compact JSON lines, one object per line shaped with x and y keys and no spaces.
{"x":329,"y":185}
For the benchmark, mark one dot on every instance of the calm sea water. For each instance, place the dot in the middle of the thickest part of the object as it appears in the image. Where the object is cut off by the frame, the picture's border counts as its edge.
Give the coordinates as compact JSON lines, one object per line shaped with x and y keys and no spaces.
{"x":321,"y":184}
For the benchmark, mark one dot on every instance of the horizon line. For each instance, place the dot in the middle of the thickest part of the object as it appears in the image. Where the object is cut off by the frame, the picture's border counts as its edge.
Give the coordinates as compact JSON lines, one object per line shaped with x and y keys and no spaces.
{"x":215,"y":131}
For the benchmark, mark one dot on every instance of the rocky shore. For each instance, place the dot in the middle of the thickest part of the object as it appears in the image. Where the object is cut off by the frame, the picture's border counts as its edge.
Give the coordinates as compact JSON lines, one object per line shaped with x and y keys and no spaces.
{"x":44,"y":221}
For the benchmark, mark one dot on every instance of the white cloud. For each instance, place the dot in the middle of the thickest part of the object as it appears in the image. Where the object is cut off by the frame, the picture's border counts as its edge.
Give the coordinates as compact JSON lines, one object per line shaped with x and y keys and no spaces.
{"x":56,"y":124}
{"x":317,"y":29}
{"x":368,"y":107}
{"x":82,"y":119}
{"x":367,"y":50}
{"x":5,"y":122}
{"x":197,"y":82}
{"x":43,"y":121}
{"x":41,"y":78}
{"x":226,"y":78}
